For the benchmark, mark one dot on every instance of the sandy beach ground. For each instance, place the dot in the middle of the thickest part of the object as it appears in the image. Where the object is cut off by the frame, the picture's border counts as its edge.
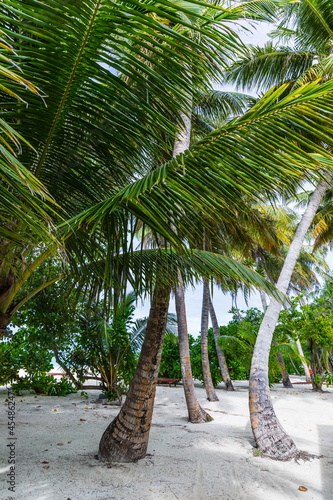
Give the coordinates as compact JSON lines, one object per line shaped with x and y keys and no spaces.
{"x":55,"y":450}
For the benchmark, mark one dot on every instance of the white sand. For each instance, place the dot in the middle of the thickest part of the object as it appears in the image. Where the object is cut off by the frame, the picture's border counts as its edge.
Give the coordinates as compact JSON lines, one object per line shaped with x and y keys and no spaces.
{"x":210,"y":461}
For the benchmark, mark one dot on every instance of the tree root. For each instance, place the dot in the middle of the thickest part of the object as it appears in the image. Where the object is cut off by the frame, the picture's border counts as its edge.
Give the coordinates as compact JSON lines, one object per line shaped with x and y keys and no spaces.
{"x":297,"y":456}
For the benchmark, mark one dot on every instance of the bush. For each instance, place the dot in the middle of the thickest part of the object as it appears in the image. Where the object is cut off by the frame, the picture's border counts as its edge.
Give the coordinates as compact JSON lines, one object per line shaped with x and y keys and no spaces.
{"x":170,"y":361}
{"x":43,"y":384}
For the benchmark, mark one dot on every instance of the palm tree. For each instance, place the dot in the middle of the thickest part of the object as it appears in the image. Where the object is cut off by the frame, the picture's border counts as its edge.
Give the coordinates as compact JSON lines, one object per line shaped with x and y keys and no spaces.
{"x":89,"y":156}
{"x":311,"y":24}
{"x":220,"y":353}
{"x":209,"y":386}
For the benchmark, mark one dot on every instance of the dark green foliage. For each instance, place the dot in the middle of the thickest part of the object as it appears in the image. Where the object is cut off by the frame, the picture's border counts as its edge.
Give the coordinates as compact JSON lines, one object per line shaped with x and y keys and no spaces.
{"x":43,"y":384}
{"x":313,"y":324}
{"x":23,"y":352}
{"x":170,"y":361}
{"x":213,"y":361}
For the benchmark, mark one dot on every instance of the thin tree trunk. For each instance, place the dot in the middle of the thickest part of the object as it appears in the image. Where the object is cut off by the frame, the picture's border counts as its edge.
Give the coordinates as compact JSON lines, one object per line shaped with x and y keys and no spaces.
{"x":210,"y":391}
{"x":305,"y":366}
{"x":68,"y":372}
{"x":317,"y":368}
{"x":196,"y":414}
{"x":285,"y":377}
{"x":220,"y":354}
{"x":268,"y":433}
{"x":126,"y":438}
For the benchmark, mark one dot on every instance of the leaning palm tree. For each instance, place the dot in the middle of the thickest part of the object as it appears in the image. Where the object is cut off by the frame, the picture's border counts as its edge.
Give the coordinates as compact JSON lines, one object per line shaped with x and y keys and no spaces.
{"x":127,"y":437}
{"x":310,"y":23}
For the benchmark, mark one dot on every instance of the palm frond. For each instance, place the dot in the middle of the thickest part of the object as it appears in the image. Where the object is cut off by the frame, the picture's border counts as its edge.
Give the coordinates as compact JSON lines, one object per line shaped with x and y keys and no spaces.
{"x":260,"y":151}
{"x":263,"y":67}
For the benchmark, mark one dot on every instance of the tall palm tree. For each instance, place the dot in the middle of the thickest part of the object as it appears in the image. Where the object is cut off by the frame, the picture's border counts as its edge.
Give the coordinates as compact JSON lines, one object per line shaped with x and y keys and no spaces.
{"x":310,"y":23}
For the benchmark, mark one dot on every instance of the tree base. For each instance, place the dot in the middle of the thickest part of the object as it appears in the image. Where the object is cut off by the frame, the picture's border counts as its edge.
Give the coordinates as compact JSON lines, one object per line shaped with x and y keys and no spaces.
{"x":212,"y":399}
{"x":297,"y":456}
{"x":114,"y":448}
{"x":229,"y":386}
{"x":200,"y":417}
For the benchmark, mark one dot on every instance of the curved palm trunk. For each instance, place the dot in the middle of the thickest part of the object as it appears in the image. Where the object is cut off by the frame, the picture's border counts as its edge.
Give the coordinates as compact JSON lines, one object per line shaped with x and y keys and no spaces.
{"x":318,"y":371}
{"x":210,"y":391}
{"x":304,"y":365}
{"x":285,"y":376}
{"x":220,"y":354}
{"x":126,"y":438}
{"x":196,"y":414}
{"x":268,"y":433}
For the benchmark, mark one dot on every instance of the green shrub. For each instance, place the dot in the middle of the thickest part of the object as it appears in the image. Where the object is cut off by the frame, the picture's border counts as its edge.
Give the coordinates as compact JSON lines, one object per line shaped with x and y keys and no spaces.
{"x":43,"y":384}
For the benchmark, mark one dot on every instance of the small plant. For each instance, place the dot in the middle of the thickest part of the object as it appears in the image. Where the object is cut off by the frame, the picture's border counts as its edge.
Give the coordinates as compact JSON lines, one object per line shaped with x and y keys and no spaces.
{"x":317,"y":379}
{"x":43,"y":384}
{"x":328,"y":379}
{"x":84,"y":395}
{"x":257,"y":452}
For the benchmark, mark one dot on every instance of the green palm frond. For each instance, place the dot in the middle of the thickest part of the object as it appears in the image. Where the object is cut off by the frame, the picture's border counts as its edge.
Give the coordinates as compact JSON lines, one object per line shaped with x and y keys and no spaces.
{"x":218,"y":106}
{"x":263,"y":67}
{"x":254,"y":154}
{"x":313,"y":22}
{"x":22,"y":196}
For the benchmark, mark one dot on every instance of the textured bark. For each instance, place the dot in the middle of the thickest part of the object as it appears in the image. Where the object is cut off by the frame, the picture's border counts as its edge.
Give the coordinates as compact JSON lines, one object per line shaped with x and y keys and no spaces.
{"x":220,"y":354}
{"x":210,"y":391}
{"x":126,"y":438}
{"x":268,"y":433}
{"x":196,"y":414}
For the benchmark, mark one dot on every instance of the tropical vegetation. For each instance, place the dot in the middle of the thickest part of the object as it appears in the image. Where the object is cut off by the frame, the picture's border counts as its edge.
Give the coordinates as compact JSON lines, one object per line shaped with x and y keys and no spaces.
{"x":111,"y":130}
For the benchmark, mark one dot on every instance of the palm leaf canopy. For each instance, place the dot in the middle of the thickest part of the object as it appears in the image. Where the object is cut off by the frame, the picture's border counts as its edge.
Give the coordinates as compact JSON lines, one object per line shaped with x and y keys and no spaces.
{"x":307,"y":27}
{"x":256,"y":154}
{"x":93,"y":62}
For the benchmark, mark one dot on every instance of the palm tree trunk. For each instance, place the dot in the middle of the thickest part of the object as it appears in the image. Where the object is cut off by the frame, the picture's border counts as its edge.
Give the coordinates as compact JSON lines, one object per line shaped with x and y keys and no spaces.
{"x":196,"y":414}
{"x":126,"y":438}
{"x":268,"y":433}
{"x":305,"y":366}
{"x":317,"y":367}
{"x":285,"y":377}
{"x":210,"y":391}
{"x":220,"y":354}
